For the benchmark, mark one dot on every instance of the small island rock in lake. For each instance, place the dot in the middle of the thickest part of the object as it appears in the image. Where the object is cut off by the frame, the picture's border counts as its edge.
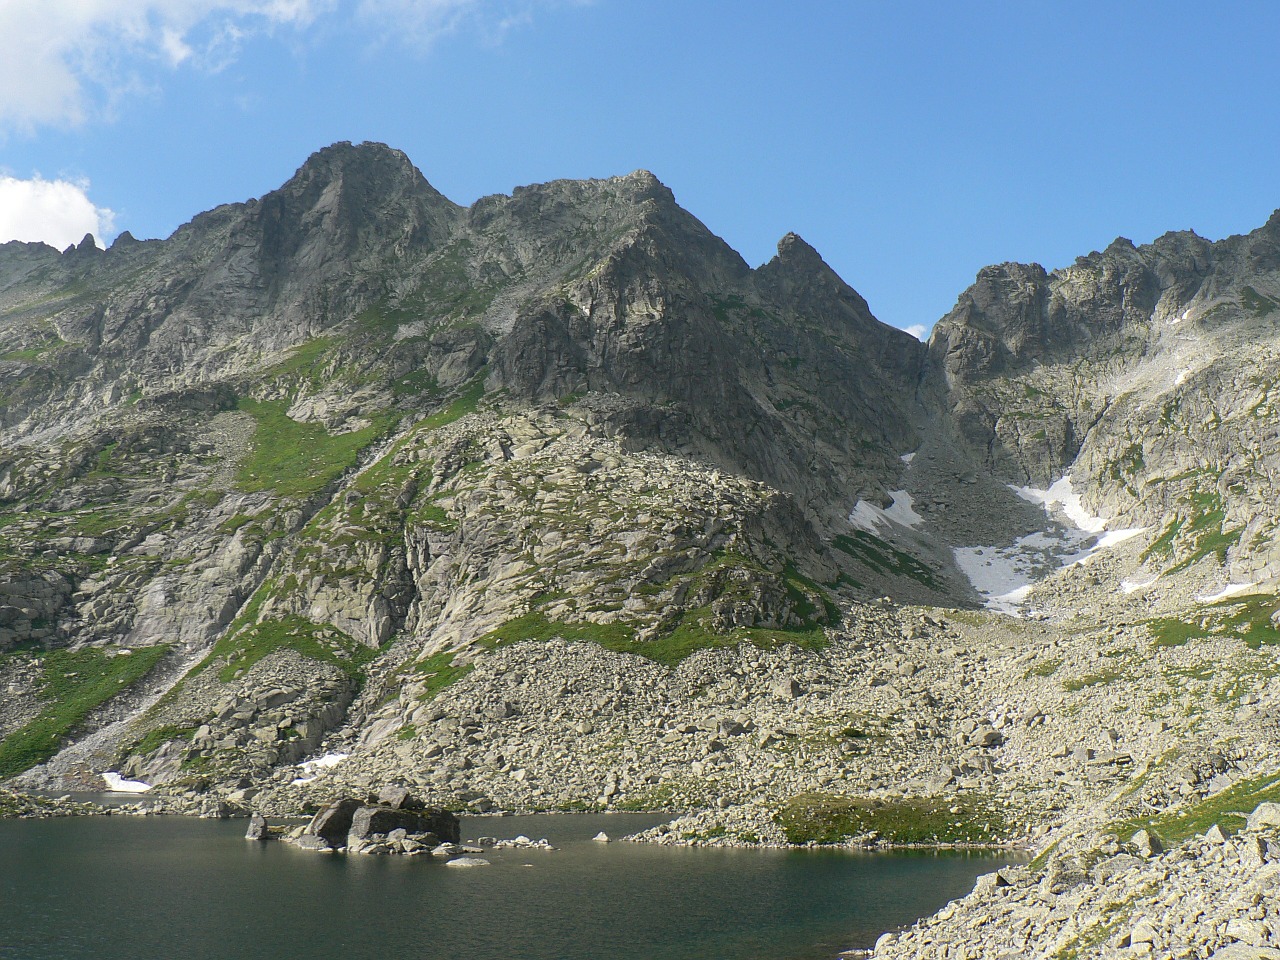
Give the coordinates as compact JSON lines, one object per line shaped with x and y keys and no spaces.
{"x":393,"y":822}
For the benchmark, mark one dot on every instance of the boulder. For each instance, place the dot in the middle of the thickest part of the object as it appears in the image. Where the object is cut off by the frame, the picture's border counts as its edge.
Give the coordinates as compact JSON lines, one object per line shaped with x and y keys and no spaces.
{"x":1147,"y":844}
{"x":333,"y":822}
{"x":257,"y":828}
{"x":366,"y":821}
{"x":398,"y":797}
{"x":787,"y":689}
{"x":1265,"y":815}
{"x":309,"y":841}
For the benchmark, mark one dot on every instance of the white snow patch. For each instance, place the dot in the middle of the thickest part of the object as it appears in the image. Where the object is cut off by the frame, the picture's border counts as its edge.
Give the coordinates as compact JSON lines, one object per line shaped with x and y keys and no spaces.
{"x":900,"y":511}
{"x":1183,"y":374}
{"x":869,"y":517}
{"x":1005,"y":576}
{"x":1133,"y":586}
{"x":1230,"y":590}
{"x":908,"y":457}
{"x":1067,"y":500}
{"x":317,"y":766}
{"x":323,"y":763}
{"x":1117,"y":536}
{"x":118,"y":784}
{"x":866,"y":517}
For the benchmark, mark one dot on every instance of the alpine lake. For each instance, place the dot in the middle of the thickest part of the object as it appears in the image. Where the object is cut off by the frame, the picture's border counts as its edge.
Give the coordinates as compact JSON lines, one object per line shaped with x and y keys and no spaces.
{"x":176,"y":888}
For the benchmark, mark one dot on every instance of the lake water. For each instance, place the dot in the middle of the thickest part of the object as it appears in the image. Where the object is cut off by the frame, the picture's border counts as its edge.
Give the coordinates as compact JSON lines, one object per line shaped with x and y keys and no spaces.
{"x":172,"y":888}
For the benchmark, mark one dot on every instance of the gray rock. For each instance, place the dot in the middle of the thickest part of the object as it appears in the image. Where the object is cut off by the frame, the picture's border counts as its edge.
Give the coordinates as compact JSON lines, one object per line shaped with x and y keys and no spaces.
{"x":1146,"y":843}
{"x":257,"y":828}
{"x":333,"y":821}
{"x":367,"y":821}
{"x":1264,"y":815}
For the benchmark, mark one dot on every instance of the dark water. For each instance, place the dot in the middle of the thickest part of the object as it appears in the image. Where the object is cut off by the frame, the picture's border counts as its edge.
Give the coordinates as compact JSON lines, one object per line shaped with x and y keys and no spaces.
{"x":170,"y":888}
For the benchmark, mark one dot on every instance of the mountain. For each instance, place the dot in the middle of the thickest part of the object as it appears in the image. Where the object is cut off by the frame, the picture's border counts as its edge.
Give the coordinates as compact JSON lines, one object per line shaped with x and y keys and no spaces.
{"x":554,"y":502}
{"x":357,"y":422}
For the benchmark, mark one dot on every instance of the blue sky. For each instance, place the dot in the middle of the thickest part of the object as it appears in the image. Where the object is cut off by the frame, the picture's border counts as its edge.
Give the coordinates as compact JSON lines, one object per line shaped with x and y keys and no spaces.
{"x":911,"y":143}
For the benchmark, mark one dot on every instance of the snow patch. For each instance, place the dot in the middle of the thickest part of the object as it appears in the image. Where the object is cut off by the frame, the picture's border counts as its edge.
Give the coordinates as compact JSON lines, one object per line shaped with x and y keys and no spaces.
{"x":118,"y":784}
{"x":908,"y":457}
{"x":900,"y":511}
{"x":1230,"y":590}
{"x":1183,"y":374}
{"x":317,"y":766}
{"x":1005,"y":576}
{"x":1067,"y":500}
{"x":1133,"y":586}
{"x":866,"y":517}
{"x":870,"y":518}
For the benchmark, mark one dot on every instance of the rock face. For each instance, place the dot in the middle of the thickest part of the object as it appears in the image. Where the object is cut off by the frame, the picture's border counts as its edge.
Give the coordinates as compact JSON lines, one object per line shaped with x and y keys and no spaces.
{"x":554,"y":501}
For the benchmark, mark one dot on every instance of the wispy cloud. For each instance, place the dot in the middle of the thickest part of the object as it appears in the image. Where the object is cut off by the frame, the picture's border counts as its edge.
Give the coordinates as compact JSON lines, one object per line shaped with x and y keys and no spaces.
{"x":917,"y":330}
{"x":422,"y":22}
{"x":58,"y":212}
{"x":64,"y":61}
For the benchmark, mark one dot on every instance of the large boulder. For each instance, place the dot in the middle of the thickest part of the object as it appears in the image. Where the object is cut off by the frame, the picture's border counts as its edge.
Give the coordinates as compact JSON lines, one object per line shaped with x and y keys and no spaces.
{"x":367,"y":821}
{"x":257,"y":828}
{"x":333,"y":822}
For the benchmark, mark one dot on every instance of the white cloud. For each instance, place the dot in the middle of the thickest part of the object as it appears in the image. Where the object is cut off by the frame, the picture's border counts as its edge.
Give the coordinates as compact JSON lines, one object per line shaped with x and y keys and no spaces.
{"x":423,"y":21}
{"x":58,"y":212}
{"x":917,"y":330}
{"x":61,"y":60}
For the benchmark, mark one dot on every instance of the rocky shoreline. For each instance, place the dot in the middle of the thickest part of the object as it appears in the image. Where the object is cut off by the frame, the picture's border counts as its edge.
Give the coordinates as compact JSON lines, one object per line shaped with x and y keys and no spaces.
{"x":1055,"y":739}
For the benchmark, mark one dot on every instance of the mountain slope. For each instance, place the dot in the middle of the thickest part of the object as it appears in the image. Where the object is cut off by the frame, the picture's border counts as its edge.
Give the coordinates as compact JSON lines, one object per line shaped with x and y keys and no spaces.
{"x":351,"y":427}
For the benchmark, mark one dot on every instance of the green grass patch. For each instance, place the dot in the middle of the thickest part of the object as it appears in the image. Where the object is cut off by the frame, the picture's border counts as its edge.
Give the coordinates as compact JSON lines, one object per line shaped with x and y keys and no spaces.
{"x":73,"y":685}
{"x":884,"y":558}
{"x":827,"y":818}
{"x":27,"y":354}
{"x":1163,"y":545}
{"x":1105,"y":675}
{"x":416,"y":384}
{"x":465,"y":404}
{"x":439,"y":671}
{"x":294,"y":459}
{"x":1256,"y":303}
{"x":304,"y":359}
{"x":1247,"y":618}
{"x":1045,"y":668}
{"x":232,"y":524}
{"x":688,"y":637}
{"x":243,"y":648}
{"x":153,"y":740}
{"x":1228,"y":809}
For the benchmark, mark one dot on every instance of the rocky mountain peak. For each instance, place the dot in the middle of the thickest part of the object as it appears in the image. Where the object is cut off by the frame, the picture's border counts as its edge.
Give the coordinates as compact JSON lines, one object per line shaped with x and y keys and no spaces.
{"x":799,"y":275}
{"x":794,"y":250}
{"x":355,"y":195}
